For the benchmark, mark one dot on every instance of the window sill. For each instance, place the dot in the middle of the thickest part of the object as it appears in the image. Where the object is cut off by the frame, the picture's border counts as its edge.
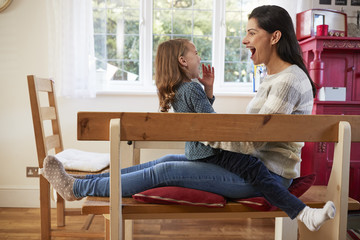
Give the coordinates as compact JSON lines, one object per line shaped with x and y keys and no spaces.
{"x":153,"y":93}
{"x":227,"y":90}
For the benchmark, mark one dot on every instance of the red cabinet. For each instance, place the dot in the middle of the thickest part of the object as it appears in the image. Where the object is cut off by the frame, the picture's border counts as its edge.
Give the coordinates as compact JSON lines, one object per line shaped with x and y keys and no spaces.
{"x":333,"y":62}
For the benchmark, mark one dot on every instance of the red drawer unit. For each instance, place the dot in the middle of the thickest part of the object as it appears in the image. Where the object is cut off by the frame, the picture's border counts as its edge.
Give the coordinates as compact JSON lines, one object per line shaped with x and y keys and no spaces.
{"x":333,"y":62}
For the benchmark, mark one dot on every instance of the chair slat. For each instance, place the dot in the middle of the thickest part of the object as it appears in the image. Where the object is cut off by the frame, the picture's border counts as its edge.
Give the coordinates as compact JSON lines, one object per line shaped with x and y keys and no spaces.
{"x":44,"y":85}
{"x":48,"y":113}
{"x":52,"y":142}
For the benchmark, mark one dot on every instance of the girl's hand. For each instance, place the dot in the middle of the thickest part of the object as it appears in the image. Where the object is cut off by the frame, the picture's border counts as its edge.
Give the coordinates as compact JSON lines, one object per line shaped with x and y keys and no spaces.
{"x":208,"y":80}
{"x":208,"y":74}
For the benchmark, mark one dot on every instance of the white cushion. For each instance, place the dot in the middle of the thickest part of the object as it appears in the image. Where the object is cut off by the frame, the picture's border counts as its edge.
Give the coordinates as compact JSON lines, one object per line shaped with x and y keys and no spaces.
{"x":78,"y":160}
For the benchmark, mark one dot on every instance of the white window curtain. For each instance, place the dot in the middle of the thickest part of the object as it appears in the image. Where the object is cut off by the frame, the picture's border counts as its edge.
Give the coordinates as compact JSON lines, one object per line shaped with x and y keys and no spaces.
{"x":71,"y":47}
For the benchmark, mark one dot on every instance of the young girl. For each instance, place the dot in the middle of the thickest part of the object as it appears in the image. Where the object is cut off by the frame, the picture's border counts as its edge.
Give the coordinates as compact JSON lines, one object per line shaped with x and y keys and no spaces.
{"x":177,"y":63}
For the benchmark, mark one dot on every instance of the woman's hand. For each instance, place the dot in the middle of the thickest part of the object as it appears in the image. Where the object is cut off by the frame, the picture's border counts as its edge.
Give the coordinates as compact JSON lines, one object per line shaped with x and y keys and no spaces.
{"x":207,"y":80}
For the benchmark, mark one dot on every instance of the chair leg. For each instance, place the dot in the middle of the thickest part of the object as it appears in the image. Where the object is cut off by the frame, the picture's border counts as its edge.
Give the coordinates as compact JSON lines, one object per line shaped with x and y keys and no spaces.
{"x":107,"y":229}
{"x":45,"y":214}
{"x":60,"y":211}
{"x":88,"y":222}
{"x":128,"y":229}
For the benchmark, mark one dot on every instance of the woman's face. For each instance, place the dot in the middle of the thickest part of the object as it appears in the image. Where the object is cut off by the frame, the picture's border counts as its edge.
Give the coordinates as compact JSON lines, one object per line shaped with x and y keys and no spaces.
{"x":258,"y":41}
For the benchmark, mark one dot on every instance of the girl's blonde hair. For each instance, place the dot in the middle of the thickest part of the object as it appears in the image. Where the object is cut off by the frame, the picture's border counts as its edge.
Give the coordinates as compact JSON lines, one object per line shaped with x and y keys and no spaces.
{"x":169,"y":73}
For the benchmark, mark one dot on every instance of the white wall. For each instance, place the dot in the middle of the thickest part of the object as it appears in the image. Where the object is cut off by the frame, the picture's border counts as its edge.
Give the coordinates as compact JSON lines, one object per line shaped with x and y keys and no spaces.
{"x":23,"y":51}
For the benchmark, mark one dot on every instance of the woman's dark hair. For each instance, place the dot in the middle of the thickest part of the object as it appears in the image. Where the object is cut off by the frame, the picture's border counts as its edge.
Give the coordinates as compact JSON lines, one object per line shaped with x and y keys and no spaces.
{"x":272,"y":18}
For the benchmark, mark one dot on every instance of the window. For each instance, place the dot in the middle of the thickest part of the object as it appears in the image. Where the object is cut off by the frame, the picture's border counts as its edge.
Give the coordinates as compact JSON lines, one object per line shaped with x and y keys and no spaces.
{"x":127,"y":33}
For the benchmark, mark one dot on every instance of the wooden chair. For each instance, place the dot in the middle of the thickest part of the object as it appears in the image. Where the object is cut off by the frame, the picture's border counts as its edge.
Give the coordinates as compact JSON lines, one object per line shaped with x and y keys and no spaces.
{"x":142,"y":128}
{"x":42,"y":111}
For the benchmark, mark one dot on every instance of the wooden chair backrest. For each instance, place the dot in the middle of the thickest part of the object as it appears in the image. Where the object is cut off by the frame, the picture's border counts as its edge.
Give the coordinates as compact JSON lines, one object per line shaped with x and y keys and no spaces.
{"x":44,"y":110}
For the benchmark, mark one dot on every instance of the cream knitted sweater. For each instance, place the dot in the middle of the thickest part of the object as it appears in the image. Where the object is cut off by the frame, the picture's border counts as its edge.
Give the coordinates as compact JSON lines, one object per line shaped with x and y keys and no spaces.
{"x":287,"y":92}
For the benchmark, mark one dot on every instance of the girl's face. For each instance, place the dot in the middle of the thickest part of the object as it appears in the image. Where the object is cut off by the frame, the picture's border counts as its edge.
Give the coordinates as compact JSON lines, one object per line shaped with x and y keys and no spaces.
{"x":191,"y":61}
{"x":259,"y":42}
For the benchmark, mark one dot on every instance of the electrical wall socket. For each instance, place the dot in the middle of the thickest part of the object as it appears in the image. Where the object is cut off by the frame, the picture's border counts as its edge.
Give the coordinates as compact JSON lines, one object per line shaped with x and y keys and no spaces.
{"x":32,"y":172}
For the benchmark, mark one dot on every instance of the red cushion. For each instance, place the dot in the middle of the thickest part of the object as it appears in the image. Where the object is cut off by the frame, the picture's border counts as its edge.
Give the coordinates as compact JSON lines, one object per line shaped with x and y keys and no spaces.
{"x":298,"y":187}
{"x":180,"y":195}
{"x":187,"y":196}
{"x":301,"y":184}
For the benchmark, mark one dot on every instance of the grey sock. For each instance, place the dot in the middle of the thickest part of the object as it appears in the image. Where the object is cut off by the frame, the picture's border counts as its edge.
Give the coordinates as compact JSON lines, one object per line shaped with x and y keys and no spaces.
{"x":63,"y":183}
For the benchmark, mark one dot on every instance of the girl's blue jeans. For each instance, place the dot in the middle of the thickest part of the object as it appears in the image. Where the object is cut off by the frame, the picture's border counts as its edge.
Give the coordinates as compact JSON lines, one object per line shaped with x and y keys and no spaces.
{"x":173,"y":170}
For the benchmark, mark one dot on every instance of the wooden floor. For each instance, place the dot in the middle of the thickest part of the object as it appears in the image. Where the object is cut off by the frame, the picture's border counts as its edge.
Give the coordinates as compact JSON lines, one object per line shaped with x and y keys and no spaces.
{"x":24,"y":223}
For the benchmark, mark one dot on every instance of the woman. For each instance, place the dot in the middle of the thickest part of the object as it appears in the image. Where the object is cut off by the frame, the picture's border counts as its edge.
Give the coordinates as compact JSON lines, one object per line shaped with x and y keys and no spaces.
{"x":287,"y":89}
{"x":177,"y":62}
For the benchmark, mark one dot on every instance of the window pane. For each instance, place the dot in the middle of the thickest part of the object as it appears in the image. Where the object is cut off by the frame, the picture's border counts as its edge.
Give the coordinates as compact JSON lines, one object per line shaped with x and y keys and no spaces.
{"x":116,"y":38}
{"x":124,"y":70}
{"x":182,"y":4}
{"x":116,"y":67}
{"x":131,"y":47}
{"x":232,"y":72}
{"x":98,"y":3}
{"x":156,"y":41}
{"x":203,"y":46}
{"x":203,"y":4}
{"x":246,"y":69}
{"x":162,"y":22}
{"x":100,"y":51}
{"x":232,"y":48}
{"x":233,"y":24}
{"x":112,"y":51}
{"x":115,"y":21}
{"x":245,"y":54}
{"x":131,"y":71}
{"x":237,"y":72}
{"x":234,"y":5}
{"x":162,"y":4}
{"x":203,"y":23}
{"x":132,"y":4}
{"x":131,"y":19}
{"x":99,"y":16}
{"x":114,"y":3}
{"x":191,"y":19}
{"x":182,"y":22}
{"x":237,"y":61}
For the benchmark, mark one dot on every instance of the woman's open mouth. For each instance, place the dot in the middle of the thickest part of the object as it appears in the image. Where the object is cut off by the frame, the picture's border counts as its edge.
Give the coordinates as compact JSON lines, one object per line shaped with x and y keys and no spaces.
{"x":252,"y":50}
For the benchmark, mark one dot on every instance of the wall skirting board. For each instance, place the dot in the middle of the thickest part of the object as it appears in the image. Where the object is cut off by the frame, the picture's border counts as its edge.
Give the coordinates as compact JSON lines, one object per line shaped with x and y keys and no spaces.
{"x":26,"y":197}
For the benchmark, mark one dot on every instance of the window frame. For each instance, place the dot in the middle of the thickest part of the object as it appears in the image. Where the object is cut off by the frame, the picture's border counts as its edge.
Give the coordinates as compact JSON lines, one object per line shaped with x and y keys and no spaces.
{"x":145,"y":84}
